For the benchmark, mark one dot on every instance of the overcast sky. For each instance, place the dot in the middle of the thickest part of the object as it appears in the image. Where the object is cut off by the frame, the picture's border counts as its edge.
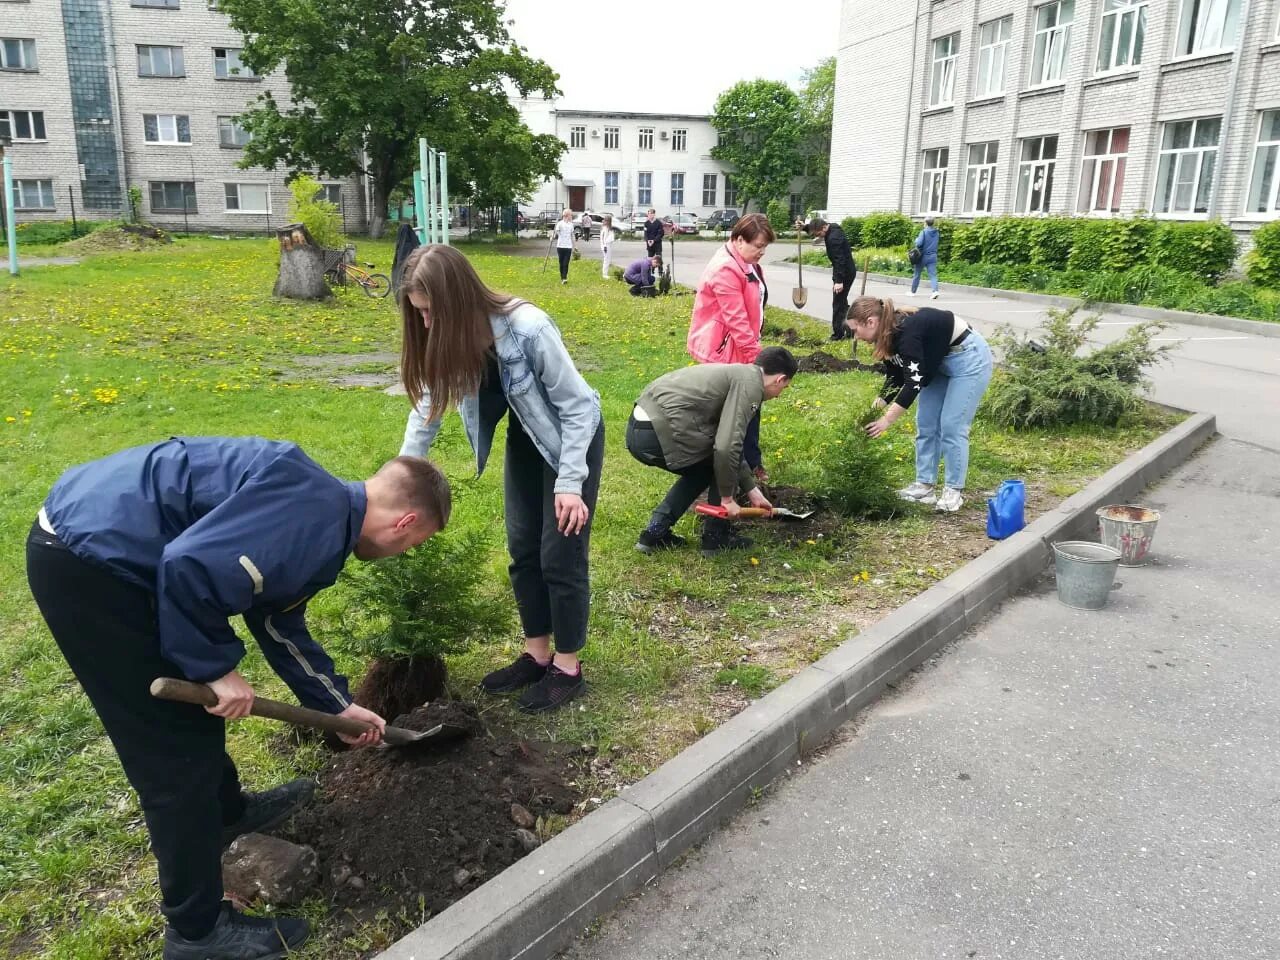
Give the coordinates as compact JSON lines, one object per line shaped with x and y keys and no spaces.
{"x":672,"y":56}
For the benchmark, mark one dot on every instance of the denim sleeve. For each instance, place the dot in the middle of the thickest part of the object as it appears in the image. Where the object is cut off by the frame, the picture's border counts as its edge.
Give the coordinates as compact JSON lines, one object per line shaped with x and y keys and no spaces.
{"x":419,"y":432}
{"x":575,"y":403}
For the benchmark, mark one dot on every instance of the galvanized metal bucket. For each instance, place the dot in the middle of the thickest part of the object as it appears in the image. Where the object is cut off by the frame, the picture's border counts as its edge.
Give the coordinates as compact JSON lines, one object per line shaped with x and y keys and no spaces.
{"x":1129,"y":529}
{"x":1085,"y":572}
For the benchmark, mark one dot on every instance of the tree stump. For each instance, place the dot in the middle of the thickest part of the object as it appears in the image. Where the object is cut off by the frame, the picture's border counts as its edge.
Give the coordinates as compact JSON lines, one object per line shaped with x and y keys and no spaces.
{"x":302,"y":265}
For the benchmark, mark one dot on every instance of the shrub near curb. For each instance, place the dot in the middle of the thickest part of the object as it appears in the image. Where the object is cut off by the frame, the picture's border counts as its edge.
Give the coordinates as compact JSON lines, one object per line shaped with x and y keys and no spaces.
{"x":1205,"y":250}
{"x":888,"y":230}
{"x":1262,"y":265}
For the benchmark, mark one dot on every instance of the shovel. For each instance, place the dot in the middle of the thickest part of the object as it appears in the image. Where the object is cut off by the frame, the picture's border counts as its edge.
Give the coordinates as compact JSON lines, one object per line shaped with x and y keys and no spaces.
{"x":777,"y":513}
{"x":799,"y":295}
{"x":183,"y":691}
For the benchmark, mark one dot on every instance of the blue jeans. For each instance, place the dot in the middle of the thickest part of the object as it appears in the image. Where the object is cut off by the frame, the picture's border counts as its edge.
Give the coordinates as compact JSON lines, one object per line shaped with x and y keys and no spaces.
{"x":932,"y":267}
{"x":945,"y":410}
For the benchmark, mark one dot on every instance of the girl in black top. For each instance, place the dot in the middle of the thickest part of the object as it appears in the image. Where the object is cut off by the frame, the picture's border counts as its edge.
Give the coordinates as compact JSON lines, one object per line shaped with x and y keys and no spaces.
{"x":934,"y":355}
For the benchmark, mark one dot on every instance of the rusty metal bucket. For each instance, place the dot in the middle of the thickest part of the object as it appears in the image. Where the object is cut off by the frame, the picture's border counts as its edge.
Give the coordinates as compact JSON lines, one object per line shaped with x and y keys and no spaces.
{"x":1129,"y":529}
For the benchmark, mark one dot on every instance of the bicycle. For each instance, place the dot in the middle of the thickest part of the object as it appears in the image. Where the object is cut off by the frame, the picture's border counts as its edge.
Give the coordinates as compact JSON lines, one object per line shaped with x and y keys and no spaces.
{"x":373,"y":284}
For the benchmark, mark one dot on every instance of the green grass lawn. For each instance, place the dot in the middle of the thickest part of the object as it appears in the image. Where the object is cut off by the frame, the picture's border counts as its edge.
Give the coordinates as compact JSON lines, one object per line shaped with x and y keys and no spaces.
{"x":122,"y":350}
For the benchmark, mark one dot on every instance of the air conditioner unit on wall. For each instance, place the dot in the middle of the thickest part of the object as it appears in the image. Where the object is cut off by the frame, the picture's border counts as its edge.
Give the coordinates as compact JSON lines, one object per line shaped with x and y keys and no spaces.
{"x":595,"y":133}
{"x":662,"y":135}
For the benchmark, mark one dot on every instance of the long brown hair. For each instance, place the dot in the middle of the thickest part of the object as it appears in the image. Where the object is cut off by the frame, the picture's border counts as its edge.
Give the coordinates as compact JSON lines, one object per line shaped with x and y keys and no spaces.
{"x":447,"y":361}
{"x":865,"y":308}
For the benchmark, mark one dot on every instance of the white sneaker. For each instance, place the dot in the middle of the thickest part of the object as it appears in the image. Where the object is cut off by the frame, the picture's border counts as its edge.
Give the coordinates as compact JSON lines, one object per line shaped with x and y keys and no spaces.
{"x":917,"y":492}
{"x":950,"y":501}
{"x":934,"y":295}
{"x":911,"y":294}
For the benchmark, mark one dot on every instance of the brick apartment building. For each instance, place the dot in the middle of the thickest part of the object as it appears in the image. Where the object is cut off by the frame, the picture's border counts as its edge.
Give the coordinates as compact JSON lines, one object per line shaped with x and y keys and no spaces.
{"x":1091,"y":107}
{"x":101,"y":95}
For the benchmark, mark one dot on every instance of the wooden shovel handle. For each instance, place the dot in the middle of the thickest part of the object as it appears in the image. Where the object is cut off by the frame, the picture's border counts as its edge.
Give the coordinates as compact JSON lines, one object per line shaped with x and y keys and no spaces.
{"x":184,"y":691}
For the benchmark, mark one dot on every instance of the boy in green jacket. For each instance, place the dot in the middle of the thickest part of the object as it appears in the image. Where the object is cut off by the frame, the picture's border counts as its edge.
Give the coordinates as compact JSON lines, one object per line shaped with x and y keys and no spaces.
{"x":691,"y":422}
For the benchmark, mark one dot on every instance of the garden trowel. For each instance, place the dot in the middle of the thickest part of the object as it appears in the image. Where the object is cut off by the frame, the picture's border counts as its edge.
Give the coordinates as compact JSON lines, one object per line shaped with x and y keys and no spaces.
{"x":183,"y":691}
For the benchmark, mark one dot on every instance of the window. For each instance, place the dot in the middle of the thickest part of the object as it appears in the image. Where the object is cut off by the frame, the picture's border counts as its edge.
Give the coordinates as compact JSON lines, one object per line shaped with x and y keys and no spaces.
{"x":1035,"y":174}
{"x":611,"y":138}
{"x":1188,"y":154}
{"x":679,"y":140}
{"x":709,"y":189}
{"x":1208,"y":25}
{"x":231,"y":134}
{"x":248,"y":198}
{"x":18,"y":54}
{"x":933,"y":185}
{"x":1102,"y":172}
{"x":646,"y":138}
{"x":33,"y":195}
{"x":1124,"y":25}
{"x":611,"y":186}
{"x":19,"y":125}
{"x":330,"y":193}
{"x":993,"y":54}
{"x":942,"y":79}
{"x":980,"y":176}
{"x":577,"y":138}
{"x":166,"y":128}
{"x":1053,"y":37}
{"x":1264,"y":187}
{"x":795,"y":206}
{"x":227,"y":65}
{"x":173,"y":196}
{"x":160,"y":62}
{"x":730,"y":192}
{"x":165,"y":4}
{"x":677,"y":189}
{"x":644,"y":188}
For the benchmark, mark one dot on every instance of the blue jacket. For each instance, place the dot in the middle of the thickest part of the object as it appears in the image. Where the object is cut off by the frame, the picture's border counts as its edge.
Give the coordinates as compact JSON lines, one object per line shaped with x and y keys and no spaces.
{"x":556,"y":407}
{"x":215,"y":527}
{"x":927,"y":241}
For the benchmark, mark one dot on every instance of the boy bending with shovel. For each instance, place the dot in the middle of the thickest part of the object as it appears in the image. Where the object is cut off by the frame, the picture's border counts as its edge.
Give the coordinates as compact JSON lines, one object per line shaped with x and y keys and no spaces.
{"x":138,"y":560}
{"x":691,"y":422}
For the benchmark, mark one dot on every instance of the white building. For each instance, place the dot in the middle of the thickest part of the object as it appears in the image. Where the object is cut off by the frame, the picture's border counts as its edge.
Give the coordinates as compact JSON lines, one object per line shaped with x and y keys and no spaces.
{"x":1090,"y":107}
{"x":102,"y":95}
{"x":622,"y":162}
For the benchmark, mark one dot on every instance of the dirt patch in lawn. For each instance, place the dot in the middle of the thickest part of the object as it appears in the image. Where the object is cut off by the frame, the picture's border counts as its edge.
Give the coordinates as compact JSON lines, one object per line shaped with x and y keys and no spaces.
{"x":416,"y":828}
{"x":822,"y":362}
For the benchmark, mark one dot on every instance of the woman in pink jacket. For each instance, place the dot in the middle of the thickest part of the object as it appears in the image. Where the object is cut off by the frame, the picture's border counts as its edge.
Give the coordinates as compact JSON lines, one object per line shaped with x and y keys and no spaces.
{"x":728,"y":311}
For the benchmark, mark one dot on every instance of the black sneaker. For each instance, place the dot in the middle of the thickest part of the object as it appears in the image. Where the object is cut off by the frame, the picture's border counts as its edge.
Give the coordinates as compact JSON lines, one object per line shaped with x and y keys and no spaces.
{"x":650,"y":541}
{"x":238,"y":937}
{"x":719,"y":535}
{"x":519,"y":675}
{"x":553,"y":691}
{"x":270,"y":808}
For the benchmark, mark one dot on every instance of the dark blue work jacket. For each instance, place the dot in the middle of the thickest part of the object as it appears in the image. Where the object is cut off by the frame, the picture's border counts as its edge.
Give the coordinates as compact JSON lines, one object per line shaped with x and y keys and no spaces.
{"x":215,"y":527}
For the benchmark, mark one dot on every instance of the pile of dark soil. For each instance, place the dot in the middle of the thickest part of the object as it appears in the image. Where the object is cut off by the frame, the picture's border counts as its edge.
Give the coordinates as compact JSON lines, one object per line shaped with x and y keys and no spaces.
{"x":416,"y":828}
{"x":822,"y":362}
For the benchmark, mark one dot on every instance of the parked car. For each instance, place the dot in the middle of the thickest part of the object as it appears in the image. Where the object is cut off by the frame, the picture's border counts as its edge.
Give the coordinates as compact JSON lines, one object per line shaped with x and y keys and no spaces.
{"x":680,"y":223}
{"x":597,"y":221}
{"x":638,"y":221}
{"x":722,"y":220}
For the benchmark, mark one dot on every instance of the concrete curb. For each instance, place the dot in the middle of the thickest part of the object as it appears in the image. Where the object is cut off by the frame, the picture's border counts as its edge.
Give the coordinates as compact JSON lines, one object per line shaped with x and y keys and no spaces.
{"x":1260,"y":328}
{"x":536,"y":907}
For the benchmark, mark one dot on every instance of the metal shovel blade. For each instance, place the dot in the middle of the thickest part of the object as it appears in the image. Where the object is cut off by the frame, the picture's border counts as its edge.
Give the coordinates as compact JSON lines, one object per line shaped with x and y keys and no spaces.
{"x":782,"y":513}
{"x":438,"y":735}
{"x":799,"y":296}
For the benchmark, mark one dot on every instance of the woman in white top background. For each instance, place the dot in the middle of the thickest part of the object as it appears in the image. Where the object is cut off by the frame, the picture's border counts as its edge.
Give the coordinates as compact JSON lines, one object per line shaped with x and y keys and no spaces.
{"x":607,"y":237}
{"x":563,"y":233}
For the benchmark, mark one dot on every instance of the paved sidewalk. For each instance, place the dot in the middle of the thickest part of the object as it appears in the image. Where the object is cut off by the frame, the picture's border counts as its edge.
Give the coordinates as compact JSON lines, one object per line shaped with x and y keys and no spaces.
{"x":1058,"y":784}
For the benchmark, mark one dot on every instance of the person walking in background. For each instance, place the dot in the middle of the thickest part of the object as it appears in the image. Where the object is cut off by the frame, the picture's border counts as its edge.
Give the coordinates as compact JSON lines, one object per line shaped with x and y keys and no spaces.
{"x":935,"y":355}
{"x":927,"y":243}
{"x":728,"y":312}
{"x":653,"y":233}
{"x":563,"y":234}
{"x":843,"y":272}
{"x":639,"y":274}
{"x":485,"y":353}
{"x":607,"y":236}
{"x":584,"y":225}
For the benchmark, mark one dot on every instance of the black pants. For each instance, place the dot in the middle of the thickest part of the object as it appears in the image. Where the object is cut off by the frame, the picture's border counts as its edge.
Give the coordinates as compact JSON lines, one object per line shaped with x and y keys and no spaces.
{"x":173,"y":753}
{"x":751,"y":443}
{"x":840,"y":313}
{"x":653,"y":248}
{"x":549,"y":571}
{"x":642,"y":442}
{"x":565,"y":254}
{"x":644,"y":290}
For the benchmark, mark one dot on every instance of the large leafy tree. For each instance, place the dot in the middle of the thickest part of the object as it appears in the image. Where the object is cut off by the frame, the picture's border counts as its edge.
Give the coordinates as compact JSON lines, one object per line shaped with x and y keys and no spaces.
{"x":817,"y":105}
{"x":760,"y":127}
{"x":369,"y":78}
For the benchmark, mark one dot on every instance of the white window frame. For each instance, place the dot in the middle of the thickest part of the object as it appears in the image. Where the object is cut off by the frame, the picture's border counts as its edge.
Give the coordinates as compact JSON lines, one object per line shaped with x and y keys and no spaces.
{"x":1132,"y":13}
{"x":644,"y":188}
{"x":43,"y":187}
{"x":1051,"y":43}
{"x":9,"y":126}
{"x":241,"y":71}
{"x":710,"y":187}
{"x":176,"y":61}
{"x":578,"y":137}
{"x":28,"y":61}
{"x":644,"y":138}
{"x":611,"y":186}
{"x":330,"y":193}
{"x":942,"y":70}
{"x":1187,"y":160}
{"x":973,"y":176}
{"x":168,"y":129}
{"x":188,"y":189}
{"x":677,"y":189}
{"x":1262,"y":150}
{"x":993,"y":57}
{"x":229,"y":124}
{"x":612,"y":138}
{"x":1207,"y":26}
{"x":238,"y":208}
{"x":730,"y":193}
{"x":679,"y":139}
{"x":1034,"y":163}
{"x":933,"y":179}
{"x":1104,"y":168}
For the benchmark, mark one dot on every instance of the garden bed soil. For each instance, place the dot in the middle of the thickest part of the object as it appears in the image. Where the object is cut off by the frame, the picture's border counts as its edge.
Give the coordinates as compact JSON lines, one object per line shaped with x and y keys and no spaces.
{"x":822,"y":362}
{"x":412,"y":830}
